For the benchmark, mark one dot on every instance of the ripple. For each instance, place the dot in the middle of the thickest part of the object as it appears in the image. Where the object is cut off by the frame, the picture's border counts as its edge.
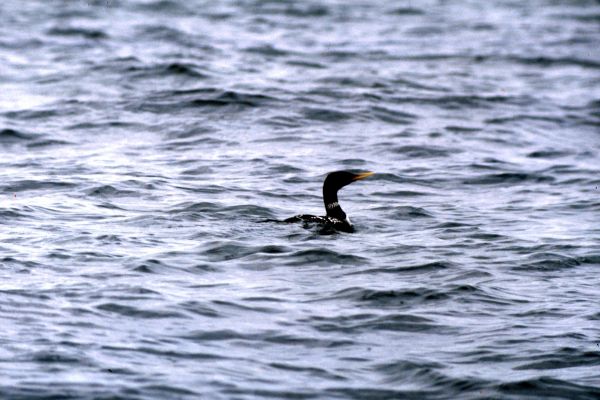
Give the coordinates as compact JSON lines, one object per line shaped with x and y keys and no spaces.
{"x":424,"y":151}
{"x":165,"y":7}
{"x":167,"y":69}
{"x":28,"y":184}
{"x":508,"y":178}
{"x":323,"y":256}
{"x":217,"y":251}
{"x":545,"y":61}
{"x":12,"y":136}
{"x":209,"y":98}
{"x":109,"y":191}
{"x":83,"y":32}
{"x":268,"y":50}
{"x":409,"y":213}
{"x":545,"y":386}
{"x":325,"y":115}
{"x":47,"y":143}
{"x":408,"y":11}
{"x":390,"y":298}
{"x":61,"y":357}
{"x":357,"y":323}
{"x":549,"y":154}
{"x":409,"y":269}
{"x":562,"y":358}
{"x":554,"y":262}
{"x":134,"y":312}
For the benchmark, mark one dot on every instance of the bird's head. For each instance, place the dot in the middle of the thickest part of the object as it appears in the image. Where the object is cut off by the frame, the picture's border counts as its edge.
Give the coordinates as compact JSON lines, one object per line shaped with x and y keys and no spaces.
{"x":334,"y":182}
{"x":338,"y":179}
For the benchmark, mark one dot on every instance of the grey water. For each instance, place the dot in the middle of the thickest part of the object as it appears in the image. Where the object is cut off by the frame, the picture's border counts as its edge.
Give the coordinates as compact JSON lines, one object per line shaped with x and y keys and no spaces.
{"x":147,"y":148}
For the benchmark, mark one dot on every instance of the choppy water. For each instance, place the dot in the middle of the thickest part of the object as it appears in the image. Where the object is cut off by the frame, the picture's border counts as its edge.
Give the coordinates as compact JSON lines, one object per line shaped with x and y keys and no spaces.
{"x":143,"y":142}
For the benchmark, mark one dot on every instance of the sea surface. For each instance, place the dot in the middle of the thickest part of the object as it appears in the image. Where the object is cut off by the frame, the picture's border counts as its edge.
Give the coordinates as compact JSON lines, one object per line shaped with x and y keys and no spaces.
{"x":148,"y":149}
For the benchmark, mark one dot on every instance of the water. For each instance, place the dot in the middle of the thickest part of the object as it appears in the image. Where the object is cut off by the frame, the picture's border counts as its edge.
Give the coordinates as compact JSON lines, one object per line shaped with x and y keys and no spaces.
{"x":144,"y":144}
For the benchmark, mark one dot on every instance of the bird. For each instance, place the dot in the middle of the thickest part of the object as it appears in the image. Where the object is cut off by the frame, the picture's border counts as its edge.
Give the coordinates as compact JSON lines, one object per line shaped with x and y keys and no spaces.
{"x":335,"y":218}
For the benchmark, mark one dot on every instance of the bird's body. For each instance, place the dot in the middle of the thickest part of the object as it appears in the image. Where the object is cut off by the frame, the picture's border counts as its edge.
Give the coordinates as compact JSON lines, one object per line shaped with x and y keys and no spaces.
{"x":335,"y":218}
{"x":328,"y":223}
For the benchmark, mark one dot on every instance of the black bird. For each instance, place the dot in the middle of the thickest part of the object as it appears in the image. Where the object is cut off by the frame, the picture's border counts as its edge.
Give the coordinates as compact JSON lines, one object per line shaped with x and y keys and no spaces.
{"x":336,"y":218}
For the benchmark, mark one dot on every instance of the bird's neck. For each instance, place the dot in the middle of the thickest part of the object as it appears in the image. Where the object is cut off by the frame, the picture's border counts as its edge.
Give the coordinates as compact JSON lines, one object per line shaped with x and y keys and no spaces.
{"x":332,"y":206}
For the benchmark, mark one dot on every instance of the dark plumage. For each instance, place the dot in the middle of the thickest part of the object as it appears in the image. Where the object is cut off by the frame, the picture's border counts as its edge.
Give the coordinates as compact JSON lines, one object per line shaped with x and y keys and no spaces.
{"x":335,"y":217}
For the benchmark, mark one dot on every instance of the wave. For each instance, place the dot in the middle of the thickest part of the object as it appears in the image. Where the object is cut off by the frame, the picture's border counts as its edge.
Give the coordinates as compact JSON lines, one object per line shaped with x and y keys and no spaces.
{"x":86,"y":33}
{"x":166,"y":69}
{"x":549,"y":153}
{"x":566,"y":357}
{"x":535,"y":60}
{"x":546,"y":387}
{"x":390,"y":298}
{"x":136,"y":312}
{"x":388,"y":115}
{"x":167,"y":102}
{"x":163,"y":7}
{"x":417,"y":268}
{"x":224,"y":251}
{"x":545,"y":261}
{"x":110,"y":191}
{"x":408,"y":11}
{"x":423,"y":151}
{"x":268,"y":51}
{"x":29,"y":184}
{"x":322,"y":257}
{"x":408,"y":213}
{"x":545,"y":61}
{"x":325,"y":115}
{"x":13,"y":136}
{"x":508,"y":178}
{"x":366,"y":322}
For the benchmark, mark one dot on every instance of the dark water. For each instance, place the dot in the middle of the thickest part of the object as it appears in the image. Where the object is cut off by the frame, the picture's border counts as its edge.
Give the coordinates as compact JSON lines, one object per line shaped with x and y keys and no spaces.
{"x":143,"y":142}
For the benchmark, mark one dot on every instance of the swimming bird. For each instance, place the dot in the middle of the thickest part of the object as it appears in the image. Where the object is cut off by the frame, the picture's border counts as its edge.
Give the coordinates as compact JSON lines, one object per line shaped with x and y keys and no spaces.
{"x":335,"y":218}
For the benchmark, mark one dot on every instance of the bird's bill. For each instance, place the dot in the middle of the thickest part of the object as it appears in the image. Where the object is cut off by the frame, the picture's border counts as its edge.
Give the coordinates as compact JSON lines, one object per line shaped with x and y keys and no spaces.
{"x":362,"y":175}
